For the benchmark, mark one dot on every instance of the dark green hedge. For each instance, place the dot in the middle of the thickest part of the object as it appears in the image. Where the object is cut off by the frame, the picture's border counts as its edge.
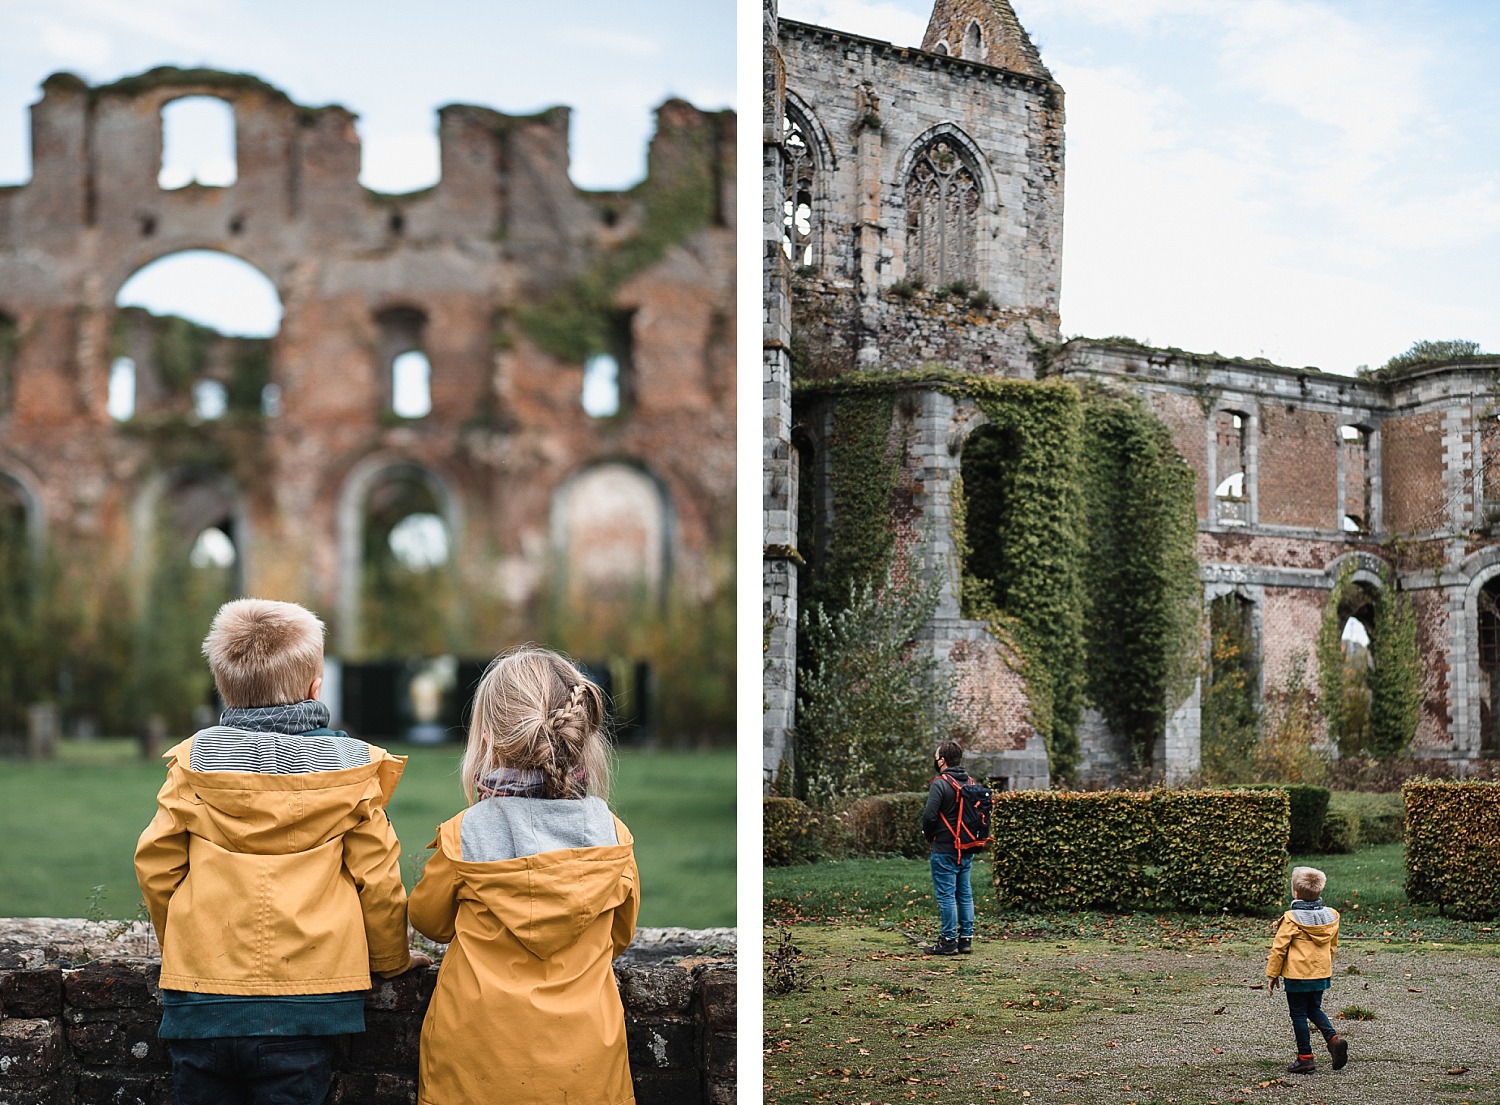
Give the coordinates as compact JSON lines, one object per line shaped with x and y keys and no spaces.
{"x":885,"y":824}
{"x":1196,"y":850}
{"x":1340,"y":833}
{"x":790,"y":832}
{"x":1309,"y":807}
{"x":1356,"y":820}
{"x":1453,"y":846}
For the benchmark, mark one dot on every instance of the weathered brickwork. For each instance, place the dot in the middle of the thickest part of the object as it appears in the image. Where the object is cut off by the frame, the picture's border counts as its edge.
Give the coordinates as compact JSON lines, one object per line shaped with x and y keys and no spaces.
{"x":78,"y":1020}
{"x":1298,"y":471}
{"x":483,"y":266}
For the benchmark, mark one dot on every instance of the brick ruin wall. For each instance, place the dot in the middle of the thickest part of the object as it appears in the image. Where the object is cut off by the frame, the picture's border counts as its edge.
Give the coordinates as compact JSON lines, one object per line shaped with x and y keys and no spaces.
{"x":489,"y":258}
{"x":79,"y":1014}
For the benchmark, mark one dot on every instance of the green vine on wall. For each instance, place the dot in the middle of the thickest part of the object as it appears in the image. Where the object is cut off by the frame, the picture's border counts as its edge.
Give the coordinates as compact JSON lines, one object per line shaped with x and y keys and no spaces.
{"x":1143,"y":598}
{"x":1372,"y":705}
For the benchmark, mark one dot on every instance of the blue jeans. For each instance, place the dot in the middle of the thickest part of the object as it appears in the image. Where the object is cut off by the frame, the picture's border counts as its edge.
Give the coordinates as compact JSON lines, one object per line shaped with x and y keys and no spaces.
{"x":1308,"y":1006}
{"x":955,"y":898}
{"x":252,"y":1070}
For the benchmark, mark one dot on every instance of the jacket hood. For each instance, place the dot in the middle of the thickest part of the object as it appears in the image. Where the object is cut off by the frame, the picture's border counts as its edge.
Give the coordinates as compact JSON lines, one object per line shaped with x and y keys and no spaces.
{"x":276,"y":814}
{"x":549,"y":899}
{"x":1319,"y":926}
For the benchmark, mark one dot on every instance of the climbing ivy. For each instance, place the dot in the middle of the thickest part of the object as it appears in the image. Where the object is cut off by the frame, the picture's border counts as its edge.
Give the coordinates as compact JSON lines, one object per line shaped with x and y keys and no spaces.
{"x":1230,"y":714}
{"x":1073,"y":524}
{"x":1143,"y":598}
{"x":1372,"y":708}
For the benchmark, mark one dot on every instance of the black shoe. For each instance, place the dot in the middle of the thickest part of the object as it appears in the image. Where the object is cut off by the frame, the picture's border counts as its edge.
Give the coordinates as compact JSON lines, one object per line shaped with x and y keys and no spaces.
{"x":965,"y":945}
{"x":1338,"y":1047}
{"x":944,"y":946}
{"x":1302,"y":1066}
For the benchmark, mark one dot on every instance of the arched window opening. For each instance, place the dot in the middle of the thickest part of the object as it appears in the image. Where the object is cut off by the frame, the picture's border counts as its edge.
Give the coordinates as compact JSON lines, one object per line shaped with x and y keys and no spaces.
{"x":197,"y":328}
{"x":197,"y":143}
{"x":10,"y":345}
{"x":1354,"y":479}
{"x":121,"y":401}
{"x":420,"y":542}
{"x":1489,"y":668}
{"x":1356,"y":622}
{"x":601,"y":386}
{"x":940,"y":48}
{"x":942,"y":217}
{"x":210,"y":400}
{"x":612,"y":522}
{"x":1230,"y":706}
{"x":411,"y":385}
{"x":404,"y":361}
{"x":405,"y":596}
{"x":974,"y":43}
{"x":213,"y":549}
{"x":797,"y":190}
{"x":988,"y":468}
{"x":1232,"y":494}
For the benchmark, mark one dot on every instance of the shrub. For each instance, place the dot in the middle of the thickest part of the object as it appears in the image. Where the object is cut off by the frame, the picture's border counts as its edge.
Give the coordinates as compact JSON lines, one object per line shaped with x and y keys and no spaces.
{"x":1381,"y":817}
{"x":870,"y":706}
{"x":790,"y":832}
{"x":885,"y":824}
{"x":1340,"y":833}
{"x":1453,"y":846}
{"x":1285,"y":753}
{"x":1220,"y":849}
{"x":1118,"y":849}
{"x":1309,"y":806}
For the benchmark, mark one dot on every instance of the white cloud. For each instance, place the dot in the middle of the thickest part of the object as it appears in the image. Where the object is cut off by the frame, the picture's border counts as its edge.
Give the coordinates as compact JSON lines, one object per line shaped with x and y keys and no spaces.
{"x":893,"y":22}
{"x":74,"y":47}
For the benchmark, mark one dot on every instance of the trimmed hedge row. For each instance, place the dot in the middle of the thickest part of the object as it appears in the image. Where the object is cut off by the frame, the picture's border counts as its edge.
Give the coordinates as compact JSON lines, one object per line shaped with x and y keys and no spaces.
{"x":886,"y":824}
{"x":1204,"y":850}
{"x":1309,"y":808}
{"x":790,"y":832}
{"x":1453,"y":846}
{"x":1357,"y":820}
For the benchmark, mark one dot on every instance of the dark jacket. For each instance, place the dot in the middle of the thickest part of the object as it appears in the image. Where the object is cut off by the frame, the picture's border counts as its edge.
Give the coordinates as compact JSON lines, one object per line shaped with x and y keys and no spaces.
{"x":942,"y":801}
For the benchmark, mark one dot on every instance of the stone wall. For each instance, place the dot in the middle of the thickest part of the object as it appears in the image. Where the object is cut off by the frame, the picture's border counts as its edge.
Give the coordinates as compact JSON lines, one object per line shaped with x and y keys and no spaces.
{"x":79,"y":1009}
{"x":506,"y":275}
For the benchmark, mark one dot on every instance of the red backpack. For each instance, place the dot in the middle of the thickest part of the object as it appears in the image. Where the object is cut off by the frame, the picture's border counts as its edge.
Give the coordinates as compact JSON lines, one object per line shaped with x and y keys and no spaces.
{"x":971,"y":828}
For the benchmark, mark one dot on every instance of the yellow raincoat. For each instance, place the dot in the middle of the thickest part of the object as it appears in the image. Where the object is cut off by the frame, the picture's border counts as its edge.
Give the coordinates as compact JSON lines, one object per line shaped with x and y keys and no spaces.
{"x":275,"y":884}
{"x":1300,"y":950}
{"x":526,"y":1007}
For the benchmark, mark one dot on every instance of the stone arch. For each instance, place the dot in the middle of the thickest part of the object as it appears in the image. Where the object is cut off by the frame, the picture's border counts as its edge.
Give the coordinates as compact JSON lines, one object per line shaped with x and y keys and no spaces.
{"x":1475,"y":652}
{"x":222,"y":333}
{"x":612,"y":523}
{"x":805,"y":204}
{"x":364,"y":479}
{"x":974,"y":42}
{"x":948,"y":191}
{"x":179,"y":504}
{"x":21,"y":504}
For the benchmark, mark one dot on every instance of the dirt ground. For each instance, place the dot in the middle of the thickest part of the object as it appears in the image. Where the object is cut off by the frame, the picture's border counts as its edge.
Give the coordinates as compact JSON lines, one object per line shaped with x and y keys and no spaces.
{"x":1092,"y":1022}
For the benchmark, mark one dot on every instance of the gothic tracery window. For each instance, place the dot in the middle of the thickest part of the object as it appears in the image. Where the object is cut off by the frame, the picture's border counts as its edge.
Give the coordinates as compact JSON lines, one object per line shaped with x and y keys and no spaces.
{"x":942,"y":214}
{"x":797,"y":210}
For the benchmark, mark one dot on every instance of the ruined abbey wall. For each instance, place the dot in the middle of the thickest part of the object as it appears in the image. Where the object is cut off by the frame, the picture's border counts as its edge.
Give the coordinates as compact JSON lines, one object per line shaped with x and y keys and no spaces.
{"x":495,"y":270}
{"x":1298,"y":472}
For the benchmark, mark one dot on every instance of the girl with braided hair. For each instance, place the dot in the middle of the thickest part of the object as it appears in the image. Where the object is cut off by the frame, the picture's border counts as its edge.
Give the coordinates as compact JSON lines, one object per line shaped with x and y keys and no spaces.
{"x":534,"y":889}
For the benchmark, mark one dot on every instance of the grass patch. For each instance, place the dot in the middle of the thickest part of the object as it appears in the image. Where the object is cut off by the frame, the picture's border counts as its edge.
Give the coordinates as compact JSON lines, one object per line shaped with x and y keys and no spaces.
{"x":1365,"y":886}
{"x":71,"y":825}
{"x":1356,"y":1013}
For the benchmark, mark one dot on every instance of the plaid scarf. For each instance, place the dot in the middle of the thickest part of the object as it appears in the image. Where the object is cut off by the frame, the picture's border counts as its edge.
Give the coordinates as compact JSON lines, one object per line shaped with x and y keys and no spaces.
{"x":519,"y":782}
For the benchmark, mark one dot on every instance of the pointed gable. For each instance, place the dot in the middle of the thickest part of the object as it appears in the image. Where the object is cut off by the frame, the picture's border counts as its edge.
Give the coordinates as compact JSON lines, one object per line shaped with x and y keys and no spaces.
{"x":985,"y":31}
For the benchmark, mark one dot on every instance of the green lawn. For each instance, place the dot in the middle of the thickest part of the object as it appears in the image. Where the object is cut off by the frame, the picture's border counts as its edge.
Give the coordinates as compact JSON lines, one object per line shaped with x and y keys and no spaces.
{"x":71,"y":825}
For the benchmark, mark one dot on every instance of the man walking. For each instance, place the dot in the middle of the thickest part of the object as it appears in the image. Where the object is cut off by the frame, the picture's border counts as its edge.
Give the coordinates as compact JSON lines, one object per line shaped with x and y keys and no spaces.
{"x":950,"y":866}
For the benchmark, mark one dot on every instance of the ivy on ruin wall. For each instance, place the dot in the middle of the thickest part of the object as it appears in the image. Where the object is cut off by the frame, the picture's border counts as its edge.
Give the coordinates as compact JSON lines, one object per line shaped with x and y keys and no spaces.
{"x":577,"y":320}
{"x":1074,"y":526}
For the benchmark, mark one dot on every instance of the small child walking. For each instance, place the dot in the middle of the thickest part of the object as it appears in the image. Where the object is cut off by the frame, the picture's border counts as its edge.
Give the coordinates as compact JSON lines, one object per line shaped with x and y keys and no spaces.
{"x":534,"y":889}
{"x":1302,"y":955}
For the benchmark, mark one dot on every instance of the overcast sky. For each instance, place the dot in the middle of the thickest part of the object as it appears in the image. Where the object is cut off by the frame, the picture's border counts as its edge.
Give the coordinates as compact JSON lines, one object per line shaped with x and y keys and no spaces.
{"x":393,"y":64}
{"x":1313,"y":181}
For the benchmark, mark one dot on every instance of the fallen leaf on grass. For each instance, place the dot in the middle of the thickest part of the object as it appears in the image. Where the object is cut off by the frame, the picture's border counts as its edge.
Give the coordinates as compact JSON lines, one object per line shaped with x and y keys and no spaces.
{"x":1458,"y":1070}
{"x":1412,"y":990}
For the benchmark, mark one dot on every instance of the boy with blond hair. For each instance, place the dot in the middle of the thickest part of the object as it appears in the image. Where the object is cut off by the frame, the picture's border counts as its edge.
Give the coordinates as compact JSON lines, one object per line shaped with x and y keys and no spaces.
{"x":270,"y":872}
{"x":1302,"y":955}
